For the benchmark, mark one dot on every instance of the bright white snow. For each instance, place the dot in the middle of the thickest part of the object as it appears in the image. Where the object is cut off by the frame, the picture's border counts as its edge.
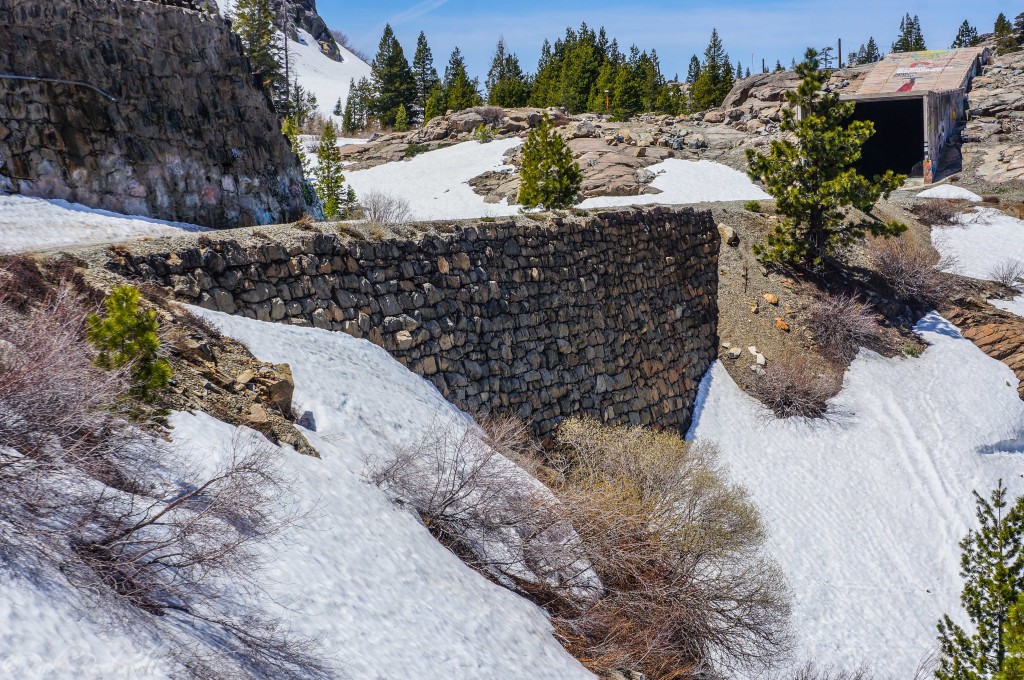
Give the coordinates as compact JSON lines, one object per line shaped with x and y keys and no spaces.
{"x":865,"y":511}
{"x":434,"y":183}
{"x":329,"y":80}
{"x":390,"y":600}
{"x":951,"y":192}
{"x":682,"y":182}
{"x":30,"y":224}
{"x":982,"y":240}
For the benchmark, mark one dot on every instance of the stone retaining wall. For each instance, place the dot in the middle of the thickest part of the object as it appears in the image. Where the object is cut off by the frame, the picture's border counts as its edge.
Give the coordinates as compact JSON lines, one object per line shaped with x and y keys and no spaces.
{"x":189,"y":136}
{"x":613,"y":315}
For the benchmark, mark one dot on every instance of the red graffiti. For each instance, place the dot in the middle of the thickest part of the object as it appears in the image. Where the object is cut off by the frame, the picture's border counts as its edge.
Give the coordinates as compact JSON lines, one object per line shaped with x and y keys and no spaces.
{"x":907,"y":86}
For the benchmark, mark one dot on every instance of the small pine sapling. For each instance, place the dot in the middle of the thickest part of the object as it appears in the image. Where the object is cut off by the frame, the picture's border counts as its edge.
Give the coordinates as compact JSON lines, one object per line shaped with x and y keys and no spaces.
{"x":127,"y":337}
{"x":402,"y":119}
{"x":330,"y":182}
{"x":550,"y":176}
{"x":813,"y":180}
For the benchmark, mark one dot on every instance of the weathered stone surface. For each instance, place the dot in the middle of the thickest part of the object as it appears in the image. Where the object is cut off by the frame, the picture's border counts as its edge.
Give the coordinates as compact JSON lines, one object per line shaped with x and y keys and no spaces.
{"x":189,"y":136}
{"x":613,"y":315}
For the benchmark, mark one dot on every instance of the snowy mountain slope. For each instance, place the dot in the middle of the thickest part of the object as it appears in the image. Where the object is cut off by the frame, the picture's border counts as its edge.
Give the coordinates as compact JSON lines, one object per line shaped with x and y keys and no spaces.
{"x":29,"y":224}
{"x":389,"y":599}
{"x":329,"y":80}
{"x":866,"y":511}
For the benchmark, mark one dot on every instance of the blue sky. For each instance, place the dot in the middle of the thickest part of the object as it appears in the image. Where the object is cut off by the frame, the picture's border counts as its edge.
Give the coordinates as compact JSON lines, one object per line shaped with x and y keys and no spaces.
{"x":771,"y":29}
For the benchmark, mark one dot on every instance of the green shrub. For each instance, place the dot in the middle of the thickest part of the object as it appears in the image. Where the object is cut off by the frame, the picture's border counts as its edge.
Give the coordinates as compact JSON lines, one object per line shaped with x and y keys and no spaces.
{"x":752,"y":206}
{"x":126,"y":337}
{"x":483,"y":134}
{"x":415,"y":150}
{"x":550,"y":177}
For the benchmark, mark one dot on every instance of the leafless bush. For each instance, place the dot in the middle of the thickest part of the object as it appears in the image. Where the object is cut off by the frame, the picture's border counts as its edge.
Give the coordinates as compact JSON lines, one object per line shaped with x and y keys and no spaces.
{"x":1008,"y":272}
{"x":381,"y":208}
{"x":677,"y":549}
{"x":812,"y":671}
{"x":344,"y":41}
{"x":790,"y":387}
{"x":116,"y":509}
{"x":842,"y":325}
{"x":939,"y":212}
{"x":492,"y":115}
{"x":912,"y":271}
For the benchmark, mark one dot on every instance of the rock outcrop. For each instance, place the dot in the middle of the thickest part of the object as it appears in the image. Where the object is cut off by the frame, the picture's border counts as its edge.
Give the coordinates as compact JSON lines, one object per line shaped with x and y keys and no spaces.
{"x":993,"y":141}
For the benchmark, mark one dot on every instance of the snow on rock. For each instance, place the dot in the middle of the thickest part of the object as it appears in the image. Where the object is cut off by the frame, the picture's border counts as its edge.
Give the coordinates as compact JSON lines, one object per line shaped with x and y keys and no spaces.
{"x":865,"y":511}
{"x":435,"y":183}
{"x":950,"y":192}
{"x":390,"y":601}
{"x":329,"y":80}
{"x":983,"y":239}
{"x":1014,"y":306}
{"x":31,"y":224}
{"x":682,"y":182}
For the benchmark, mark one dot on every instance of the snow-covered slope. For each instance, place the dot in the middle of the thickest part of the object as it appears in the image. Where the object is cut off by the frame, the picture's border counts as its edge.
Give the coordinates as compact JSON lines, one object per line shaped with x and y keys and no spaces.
{"x":28,"y":223}
{"x":389,"y":599}
{"x":983,"y":239}
{"x":682,"y":182}
{"x":866,"y":511}
{"x":329,"y":80}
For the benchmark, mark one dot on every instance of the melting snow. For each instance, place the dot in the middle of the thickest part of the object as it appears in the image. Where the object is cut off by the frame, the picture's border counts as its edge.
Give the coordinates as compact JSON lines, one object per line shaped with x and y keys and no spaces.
{"x":983,"y":239}
{"x":951,"y":192}
{"x":683,"y":182}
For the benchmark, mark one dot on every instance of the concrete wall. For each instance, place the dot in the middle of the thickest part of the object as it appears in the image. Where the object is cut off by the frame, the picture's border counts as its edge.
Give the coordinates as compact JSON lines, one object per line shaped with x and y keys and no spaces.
{"x":190,"y":136}
{"x":613,"y":315}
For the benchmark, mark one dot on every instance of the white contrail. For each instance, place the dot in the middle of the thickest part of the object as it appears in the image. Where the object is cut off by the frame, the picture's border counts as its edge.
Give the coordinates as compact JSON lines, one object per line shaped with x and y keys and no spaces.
{"x":417,"y":10}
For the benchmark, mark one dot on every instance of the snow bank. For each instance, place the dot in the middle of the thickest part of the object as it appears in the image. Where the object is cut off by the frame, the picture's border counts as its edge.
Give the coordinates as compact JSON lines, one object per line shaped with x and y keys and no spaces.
{"x":434,"y":183}
{"x":390,"y":601}
{"x":30,"y":224}
{"x":983,"y":239}
{"x":684,"y":182}
{"x":865,"y":511}
{"x":329,"y":80}
{"x":951,"y":192}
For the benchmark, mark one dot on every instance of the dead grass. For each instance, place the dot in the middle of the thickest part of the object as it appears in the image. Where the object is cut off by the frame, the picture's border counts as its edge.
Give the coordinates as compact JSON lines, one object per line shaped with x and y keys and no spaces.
{"x":842,"y":324}
{"x":791,"y":388}
{"x":939,"y":212}
{"x":912,"y":271}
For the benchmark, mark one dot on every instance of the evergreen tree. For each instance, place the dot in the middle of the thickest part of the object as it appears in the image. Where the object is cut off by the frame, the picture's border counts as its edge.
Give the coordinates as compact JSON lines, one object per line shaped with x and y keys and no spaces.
{"x":872,"y":53}
{"x":339,"y":108}
{"x":253,"y":21}
{"x":424,"y":72}
{"x":693,"y":72}
{"x":825,"y":57}
{"x":716,"y":76}
{"x":1013,"y":663}
{"x":910,"y":38}
{"x":550,"y":176}
{"x":357,"y":107}
{"x":330,"y":182}
{"x":290,"y":129}
{"x":739,"y":70}
{"x":393,"y":81}
{"x":967,"y":36}
{"x":402,"y":119}
{"x":507,"y":85}
{"x":348,"y":120}
{"x":1006,"y":41}
{"x":436,"y":103}
{"x":627,"y":95}
{"x":812,"y":178}
{"x":1018,"y":27}
{"x":778,"y":68}
{"x":992,"y":566}
{"x":126,"y":337}
{"x":460,"y":92}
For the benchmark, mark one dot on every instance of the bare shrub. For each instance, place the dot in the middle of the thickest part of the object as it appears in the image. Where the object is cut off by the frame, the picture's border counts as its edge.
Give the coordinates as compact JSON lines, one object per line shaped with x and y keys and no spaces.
{"x":381,"y":208}
{"x":21,"y":282}
{"x":842,"y":325}
{"x":939,"y":212}
{"x":492,"y":115}
{"x":991,"y":200}
{"x":912,"y":271}
{"x":790,"y":387}
{"x":1008,"y":272}
{"x":344,"y":41}
{"x":678,"y":550}
{"x":812,"y":671}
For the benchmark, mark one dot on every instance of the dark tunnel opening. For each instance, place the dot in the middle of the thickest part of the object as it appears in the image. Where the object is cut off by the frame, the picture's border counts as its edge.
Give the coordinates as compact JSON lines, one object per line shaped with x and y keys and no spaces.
{"x":898,"y":142}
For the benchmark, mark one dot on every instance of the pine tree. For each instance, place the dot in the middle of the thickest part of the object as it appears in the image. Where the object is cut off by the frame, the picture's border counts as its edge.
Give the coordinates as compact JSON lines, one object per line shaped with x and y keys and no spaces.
{"x":339,"y":108}
{"x":1013,"y":663}
{"x":716,"y":76}
{"x":436,"y":103}
{"x":992,"y":566}
{"x":967,"y":36}
{"x":460,"y":92}
{"x":627,"y":95}
{"x":507,"y":85}
{"x":402,"y":119}
{"x":778,"y":68}
{"x":330,"y":182}
{"x":393,"y":81}
{"x":550,"y":176}
{"x":290,"y":129}
{"x":910,"y":38}
{"x":872,"y":54}
{"x":693,"y":72}
{"x":126,"y":337}
{"x":1006,"y":41}
{"x":423,"y":72}
{"x":253,"y":21}
{"x":739,"y":70}
{"x":1018,"y":27}
{"x":813,"y":180}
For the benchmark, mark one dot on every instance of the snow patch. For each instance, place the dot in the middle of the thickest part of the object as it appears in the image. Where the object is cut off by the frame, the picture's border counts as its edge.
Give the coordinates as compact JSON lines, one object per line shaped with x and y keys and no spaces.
{"x":981,"y":240}
{"x":949,"y":191}
{"x":683,"y":182}
{"x":329,"y":80}
{"x":865,"y":511}
{"x":31,"y":224}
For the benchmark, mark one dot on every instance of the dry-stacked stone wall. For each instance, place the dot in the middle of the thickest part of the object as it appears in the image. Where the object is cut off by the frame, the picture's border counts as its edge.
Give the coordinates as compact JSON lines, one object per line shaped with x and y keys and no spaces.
{"x":176,"y":127}
{"x":612,"y":315}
